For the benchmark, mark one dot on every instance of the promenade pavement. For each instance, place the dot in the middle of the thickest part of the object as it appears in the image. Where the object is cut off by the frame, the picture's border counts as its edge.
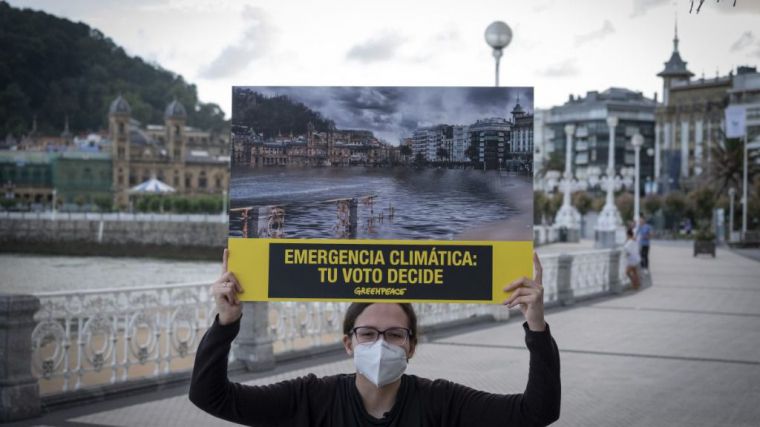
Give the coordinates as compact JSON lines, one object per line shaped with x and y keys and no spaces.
{"x":684,"y":352}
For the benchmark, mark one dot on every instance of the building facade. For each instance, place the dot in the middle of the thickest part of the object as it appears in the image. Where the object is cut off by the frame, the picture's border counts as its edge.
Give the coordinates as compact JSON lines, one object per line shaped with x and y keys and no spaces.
{"x":137,"y":156}
{"x":521,"y":144}
{"x":460,"y":143}
{"x":489,"y":140}
{"x":690,"y":121}
{"x":590,"y":151}
{"x":94,"y":169}
{"x":69,"y":177}
{"x":331,"y":148}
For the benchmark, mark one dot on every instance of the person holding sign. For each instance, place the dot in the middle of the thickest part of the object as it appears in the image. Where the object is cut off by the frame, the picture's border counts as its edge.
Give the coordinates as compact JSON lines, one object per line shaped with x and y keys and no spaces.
{"x":381,"y":338}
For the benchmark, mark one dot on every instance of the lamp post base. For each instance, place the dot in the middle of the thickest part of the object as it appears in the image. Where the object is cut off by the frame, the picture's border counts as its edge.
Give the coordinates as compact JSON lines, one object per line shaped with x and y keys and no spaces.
{"x":605,"y":239}
{"x":568,"y":224}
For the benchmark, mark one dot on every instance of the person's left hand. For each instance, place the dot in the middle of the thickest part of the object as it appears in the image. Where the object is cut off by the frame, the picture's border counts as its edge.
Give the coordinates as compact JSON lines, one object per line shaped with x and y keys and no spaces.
{"x":529,"y":295}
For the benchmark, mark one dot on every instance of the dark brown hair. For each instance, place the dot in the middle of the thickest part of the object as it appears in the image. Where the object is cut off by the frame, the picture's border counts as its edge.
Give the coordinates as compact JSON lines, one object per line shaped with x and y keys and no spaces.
{"x":356,"y":308}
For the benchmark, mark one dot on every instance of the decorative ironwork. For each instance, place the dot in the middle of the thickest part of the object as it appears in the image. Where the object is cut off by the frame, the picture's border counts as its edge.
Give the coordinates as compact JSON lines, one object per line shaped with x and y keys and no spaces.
{"x":80,"y":334}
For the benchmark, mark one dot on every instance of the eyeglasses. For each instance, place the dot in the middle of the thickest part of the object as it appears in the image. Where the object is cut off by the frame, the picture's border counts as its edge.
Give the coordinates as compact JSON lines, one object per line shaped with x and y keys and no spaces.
{"x":369,"y":334}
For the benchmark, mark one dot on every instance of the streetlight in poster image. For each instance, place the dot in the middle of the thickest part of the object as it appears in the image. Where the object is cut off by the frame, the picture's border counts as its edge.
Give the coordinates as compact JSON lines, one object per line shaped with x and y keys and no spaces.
{"x":498,"y":36}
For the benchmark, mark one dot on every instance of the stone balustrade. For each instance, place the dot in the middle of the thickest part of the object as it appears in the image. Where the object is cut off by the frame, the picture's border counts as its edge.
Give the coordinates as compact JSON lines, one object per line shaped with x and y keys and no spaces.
{"x":109,"y":339}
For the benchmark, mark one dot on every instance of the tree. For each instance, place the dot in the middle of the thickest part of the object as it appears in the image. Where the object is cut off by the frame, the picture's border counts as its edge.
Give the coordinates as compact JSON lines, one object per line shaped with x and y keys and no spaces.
{"x":727,"y":166}
{"x":555,"y":162}
{"x":52,"y":68}
{"x":598,"y":203}
{"x":702,"y":202}
{"x":699,"y":5}
{"x":405,"y":150}
{"x":582,"y":201}
{"x":624,"y":204}
{"x":553,"y":206}
{"x":540,"y":201}
{"x":419,"y":159}
{"x":652,"y":204}
{"x":104,"y":203}
{"x":674,"y":208}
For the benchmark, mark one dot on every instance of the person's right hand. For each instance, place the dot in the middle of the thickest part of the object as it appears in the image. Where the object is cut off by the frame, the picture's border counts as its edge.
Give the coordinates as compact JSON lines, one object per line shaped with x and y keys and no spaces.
{"x":224,"y":291}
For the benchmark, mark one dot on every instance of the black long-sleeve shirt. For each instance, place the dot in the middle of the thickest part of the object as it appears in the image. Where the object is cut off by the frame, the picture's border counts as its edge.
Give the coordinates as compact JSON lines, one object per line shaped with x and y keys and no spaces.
{"x":335,"y":400}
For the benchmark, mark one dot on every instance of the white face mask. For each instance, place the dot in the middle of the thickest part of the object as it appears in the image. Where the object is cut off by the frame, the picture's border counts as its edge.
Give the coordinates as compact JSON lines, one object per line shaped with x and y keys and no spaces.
{"x":381,"y":363}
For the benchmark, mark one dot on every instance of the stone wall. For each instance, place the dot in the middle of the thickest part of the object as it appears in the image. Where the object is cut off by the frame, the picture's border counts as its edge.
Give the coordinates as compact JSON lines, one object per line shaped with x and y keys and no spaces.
{"x":108,"y":237}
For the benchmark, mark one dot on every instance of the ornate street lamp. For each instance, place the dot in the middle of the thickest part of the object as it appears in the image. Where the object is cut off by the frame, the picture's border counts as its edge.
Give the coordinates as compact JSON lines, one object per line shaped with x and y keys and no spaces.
{"x":498,"y":36}
{"x":609,"y":219}
{"x":637,"y":140}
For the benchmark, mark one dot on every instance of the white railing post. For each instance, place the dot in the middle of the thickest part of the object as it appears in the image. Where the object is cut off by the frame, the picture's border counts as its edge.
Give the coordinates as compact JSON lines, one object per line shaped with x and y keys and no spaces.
{"x":19,"y":390}
{"x":616,"y":286}
{"x":254,"y":345}
{"x":565,"y":292}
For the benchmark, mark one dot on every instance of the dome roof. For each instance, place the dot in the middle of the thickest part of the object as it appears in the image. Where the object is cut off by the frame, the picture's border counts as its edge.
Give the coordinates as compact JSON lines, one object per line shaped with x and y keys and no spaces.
{"x":175,"y":109}
{"x":119,"y":106}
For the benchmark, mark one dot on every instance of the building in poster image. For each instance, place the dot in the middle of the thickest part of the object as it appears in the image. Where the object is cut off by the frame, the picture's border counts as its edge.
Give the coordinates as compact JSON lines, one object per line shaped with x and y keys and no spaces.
{"x":481,"y":142}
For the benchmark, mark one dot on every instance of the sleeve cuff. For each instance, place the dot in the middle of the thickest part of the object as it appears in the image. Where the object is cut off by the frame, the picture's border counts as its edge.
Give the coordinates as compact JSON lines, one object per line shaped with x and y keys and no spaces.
{"x":229,"y":331}
{"x":535,"y":339}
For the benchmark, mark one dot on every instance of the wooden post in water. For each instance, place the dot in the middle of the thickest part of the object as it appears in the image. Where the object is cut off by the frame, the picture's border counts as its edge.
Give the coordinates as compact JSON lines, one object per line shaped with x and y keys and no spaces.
{"x":353,"y":217}
{"x":245,"y":220}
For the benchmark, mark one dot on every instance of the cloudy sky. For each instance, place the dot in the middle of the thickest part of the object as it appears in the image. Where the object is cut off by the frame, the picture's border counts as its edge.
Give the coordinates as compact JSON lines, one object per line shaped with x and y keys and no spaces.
{"x":561,"y":47}
{"x":392,"y":113}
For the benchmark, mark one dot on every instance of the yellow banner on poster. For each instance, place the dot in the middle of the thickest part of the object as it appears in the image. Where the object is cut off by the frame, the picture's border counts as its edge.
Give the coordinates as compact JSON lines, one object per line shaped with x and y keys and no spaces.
{"x":378,"y":270}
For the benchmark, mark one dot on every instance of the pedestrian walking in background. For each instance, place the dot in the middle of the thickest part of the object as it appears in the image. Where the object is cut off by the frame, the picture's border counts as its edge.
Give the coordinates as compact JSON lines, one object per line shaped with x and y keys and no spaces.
{"x":632,"y":259}
{"x":643,"y":234}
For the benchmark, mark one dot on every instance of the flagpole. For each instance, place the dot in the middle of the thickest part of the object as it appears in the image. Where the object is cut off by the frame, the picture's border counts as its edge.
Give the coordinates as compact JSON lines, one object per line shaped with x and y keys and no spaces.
{"x":744,"y":186}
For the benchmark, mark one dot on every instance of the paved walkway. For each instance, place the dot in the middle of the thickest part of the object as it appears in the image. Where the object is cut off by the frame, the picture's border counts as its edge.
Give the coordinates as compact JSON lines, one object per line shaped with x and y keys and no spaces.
{"x":685,"y":352}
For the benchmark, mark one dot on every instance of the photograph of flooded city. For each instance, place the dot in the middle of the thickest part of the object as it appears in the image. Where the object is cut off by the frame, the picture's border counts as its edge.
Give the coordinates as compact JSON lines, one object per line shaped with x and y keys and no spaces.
{"x":411,"y":163}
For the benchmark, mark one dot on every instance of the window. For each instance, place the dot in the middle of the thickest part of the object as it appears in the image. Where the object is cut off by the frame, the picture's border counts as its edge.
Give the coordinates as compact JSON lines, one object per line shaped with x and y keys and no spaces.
{"x":202,"y":182}
{"x":121,"y":128}
{"x":188,"y":180}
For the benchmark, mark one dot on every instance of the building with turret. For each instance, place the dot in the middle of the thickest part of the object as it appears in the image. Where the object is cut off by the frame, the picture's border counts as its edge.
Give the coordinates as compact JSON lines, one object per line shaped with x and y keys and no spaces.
{"x":690,"y":121}
{"x":521,"y":140}
{"x":139,"y":154}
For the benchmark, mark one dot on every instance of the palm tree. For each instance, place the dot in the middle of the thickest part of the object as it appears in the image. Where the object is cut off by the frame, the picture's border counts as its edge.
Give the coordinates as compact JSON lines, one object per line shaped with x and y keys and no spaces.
{"x":728,"y":167}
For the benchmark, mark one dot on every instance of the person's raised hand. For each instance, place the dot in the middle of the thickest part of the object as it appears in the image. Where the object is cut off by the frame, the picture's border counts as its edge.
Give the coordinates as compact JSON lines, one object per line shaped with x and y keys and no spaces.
{"x":224,"y":291}
{"x":529,"y":296}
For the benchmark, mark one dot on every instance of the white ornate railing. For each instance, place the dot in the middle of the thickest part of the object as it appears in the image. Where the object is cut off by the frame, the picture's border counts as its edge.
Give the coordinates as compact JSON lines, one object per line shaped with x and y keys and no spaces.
{"x":102,"y":336}
{"x":301,"y":325}
{"x":550,"y":265}
{"x":590,"y":272}
{"x":115,"y":216}
{"x":105,"y":336}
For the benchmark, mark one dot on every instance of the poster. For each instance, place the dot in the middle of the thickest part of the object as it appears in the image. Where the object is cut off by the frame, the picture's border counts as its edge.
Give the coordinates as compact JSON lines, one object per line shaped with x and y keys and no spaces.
{"x":406,"y":194}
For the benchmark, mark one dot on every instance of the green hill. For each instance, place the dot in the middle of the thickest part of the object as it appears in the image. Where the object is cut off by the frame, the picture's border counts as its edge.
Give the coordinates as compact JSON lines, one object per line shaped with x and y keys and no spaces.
{"x":273,"y":115}
{"x":52,"y":68}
